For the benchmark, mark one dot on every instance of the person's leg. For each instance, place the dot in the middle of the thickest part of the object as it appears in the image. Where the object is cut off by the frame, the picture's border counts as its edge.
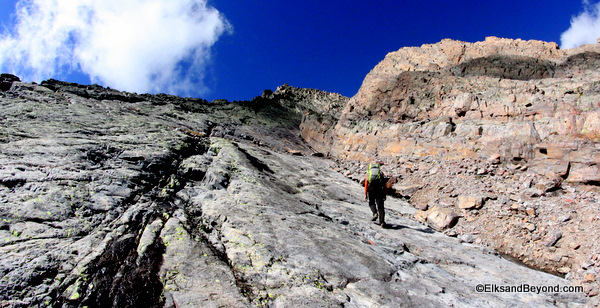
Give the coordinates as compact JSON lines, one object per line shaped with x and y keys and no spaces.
{"x":381,"y":210}
{"x":372,"y":204}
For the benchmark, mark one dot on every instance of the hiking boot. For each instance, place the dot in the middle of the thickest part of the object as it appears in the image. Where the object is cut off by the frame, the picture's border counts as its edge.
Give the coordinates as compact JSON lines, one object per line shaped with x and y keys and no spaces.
{"x":375,"y":216}
{"x":383,"y":225}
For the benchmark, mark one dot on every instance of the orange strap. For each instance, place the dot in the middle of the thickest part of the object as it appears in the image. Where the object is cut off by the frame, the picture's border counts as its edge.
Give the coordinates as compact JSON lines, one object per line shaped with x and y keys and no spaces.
{"x":366,"y":185}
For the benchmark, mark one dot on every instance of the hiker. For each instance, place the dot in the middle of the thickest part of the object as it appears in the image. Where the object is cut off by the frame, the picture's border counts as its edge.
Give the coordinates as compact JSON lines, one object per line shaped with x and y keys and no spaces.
{"x":375,"y":191}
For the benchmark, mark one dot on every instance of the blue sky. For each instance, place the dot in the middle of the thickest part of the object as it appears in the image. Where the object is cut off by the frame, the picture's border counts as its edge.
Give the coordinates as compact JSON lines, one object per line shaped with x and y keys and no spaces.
{"x":235,"y":49}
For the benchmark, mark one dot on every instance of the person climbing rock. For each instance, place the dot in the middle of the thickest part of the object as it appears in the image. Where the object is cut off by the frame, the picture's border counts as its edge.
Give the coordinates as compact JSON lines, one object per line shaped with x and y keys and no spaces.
{"x":375,"y":191}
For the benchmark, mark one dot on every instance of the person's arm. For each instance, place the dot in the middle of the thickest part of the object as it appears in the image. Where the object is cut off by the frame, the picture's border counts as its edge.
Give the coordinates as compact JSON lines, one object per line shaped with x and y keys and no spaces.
{"x":384,"y":186}
{"x":365,"y":187}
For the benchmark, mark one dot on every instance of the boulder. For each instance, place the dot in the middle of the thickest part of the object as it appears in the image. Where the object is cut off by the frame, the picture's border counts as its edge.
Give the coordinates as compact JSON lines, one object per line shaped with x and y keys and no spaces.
{"x":438,"y":218}
{"x":584,"y":173}
{"x":552,"y":238}
{"x":404,"y":190}
{"x":590,"y":278}
{"x":468,"y":202}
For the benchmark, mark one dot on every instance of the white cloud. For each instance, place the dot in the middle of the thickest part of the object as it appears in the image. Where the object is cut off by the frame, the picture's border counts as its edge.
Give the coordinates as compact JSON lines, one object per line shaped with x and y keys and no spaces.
{"x":133,"y":45}
{"x":585,"y":28}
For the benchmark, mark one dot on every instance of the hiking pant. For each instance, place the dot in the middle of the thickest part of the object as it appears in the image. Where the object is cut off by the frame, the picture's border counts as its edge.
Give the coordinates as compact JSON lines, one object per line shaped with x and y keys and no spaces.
{"x":376,"y":199}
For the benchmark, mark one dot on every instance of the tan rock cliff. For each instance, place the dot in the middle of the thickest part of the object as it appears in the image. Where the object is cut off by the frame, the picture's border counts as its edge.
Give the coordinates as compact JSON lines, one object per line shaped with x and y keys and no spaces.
{"x":515,"y":122}
{"x":458,"y":99}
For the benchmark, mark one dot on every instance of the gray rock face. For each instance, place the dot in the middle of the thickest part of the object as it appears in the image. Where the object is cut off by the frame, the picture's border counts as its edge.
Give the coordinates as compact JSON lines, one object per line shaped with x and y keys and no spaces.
{"x":118,"y":199}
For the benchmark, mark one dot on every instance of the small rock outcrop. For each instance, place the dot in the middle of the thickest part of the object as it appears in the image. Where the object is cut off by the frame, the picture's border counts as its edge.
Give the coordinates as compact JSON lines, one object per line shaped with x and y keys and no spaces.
{"x":6,"y":81}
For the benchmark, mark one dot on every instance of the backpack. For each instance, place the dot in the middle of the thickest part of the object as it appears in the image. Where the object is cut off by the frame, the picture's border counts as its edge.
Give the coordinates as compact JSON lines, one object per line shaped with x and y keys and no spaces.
{"x":374,"y":177}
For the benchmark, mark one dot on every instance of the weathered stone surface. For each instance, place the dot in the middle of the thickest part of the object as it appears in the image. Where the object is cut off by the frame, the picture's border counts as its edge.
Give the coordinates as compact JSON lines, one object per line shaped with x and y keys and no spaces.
{"x":194,"y":275}
{"x":116,"y":199}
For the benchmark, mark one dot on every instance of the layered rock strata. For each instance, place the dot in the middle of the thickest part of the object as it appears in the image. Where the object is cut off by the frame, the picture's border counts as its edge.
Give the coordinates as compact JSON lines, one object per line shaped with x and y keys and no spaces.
{"x":511,"y":124}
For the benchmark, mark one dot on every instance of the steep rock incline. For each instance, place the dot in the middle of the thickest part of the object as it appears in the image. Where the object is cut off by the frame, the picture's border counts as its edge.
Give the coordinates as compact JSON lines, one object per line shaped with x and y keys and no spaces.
{"x":79,"y":178}
{"x":512,"y":126}
{"x":84,"y":169}
{"x":296,"y":233}
{"x":117,"y":199}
